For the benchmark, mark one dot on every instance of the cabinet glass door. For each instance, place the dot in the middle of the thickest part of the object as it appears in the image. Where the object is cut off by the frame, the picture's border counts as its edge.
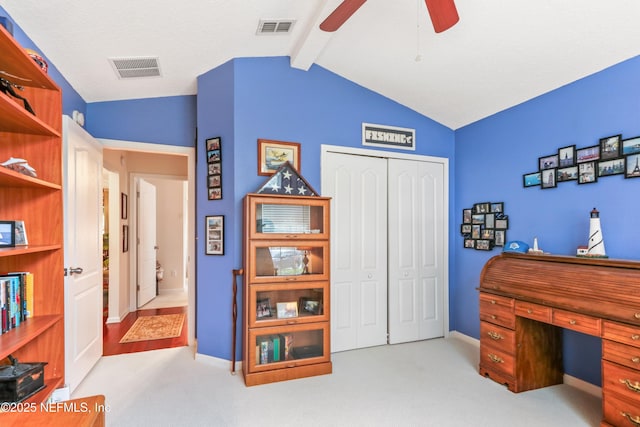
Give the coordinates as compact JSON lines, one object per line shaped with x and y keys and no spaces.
{"x":286,"y":304}
{"x":300,"y":261}
{"x":289,"y":347}
{"x":282,"y":217}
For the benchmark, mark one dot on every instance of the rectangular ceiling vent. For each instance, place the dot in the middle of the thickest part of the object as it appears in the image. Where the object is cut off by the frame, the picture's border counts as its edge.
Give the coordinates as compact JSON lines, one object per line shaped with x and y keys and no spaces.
{"x":275,"y":27}
{"x":131,"y":68}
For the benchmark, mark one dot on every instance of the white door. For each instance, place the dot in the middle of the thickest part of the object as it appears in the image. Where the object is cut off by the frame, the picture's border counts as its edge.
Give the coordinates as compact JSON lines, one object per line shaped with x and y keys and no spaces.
{"x":416,"y":254}
{"x":82,"y":251}
{"x":146,"y":242}
{"x":358,"y":187}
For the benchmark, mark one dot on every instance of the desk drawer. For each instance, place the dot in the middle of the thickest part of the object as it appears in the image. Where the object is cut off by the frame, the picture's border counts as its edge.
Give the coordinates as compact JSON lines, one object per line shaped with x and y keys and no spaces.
{"x":623,"y":381}
{"x":533,"y":311}
{"x":497,"y":360}
{"x":625,"y":334}
{"x":497,"y":336}
{"x":498,"y":310}
{"x":577,"y":322}
{"x":620,"y":412}
{"x":622,"y":354}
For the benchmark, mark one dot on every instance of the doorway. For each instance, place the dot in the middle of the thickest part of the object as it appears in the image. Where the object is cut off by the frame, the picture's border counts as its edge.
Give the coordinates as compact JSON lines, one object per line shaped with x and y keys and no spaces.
{"x":165,"y":166}
{"x":389,"y":237}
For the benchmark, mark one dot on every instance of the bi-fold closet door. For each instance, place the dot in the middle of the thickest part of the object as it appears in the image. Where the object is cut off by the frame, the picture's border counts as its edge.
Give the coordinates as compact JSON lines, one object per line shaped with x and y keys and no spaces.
{"x":388,"y":238}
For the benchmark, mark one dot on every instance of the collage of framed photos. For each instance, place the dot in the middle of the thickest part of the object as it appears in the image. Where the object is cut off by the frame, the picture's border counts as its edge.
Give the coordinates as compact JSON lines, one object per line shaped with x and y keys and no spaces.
{"x":214,"y":168}
{"x":612,"y":156}
{"x":484,"y":226}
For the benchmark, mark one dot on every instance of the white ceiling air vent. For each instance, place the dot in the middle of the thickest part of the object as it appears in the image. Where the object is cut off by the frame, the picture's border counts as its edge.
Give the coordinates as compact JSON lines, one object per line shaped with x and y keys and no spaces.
{"x":275,"y":27}
{"x":131,"y":68}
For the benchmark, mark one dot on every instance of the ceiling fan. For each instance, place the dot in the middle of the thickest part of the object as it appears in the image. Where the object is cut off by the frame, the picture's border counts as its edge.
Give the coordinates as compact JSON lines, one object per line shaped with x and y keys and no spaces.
{"x":444,"y":14}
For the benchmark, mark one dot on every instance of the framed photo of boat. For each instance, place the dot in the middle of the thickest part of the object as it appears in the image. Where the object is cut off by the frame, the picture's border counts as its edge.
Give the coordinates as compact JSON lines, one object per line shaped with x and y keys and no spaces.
{"x":273,"y":154}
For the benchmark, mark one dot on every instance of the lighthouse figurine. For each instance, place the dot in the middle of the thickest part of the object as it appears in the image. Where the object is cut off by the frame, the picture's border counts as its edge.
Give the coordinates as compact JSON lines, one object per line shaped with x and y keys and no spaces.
{"x":596,"y":241}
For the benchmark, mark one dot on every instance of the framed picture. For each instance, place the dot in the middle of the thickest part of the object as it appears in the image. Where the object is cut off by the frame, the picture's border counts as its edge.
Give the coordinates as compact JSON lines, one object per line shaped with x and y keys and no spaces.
{"x":125,"y":238}
{"x":273,"y":154}
{"x":215,"y":193}
{"x":500,"y":237}
{"x":470,"y":243}
{"x":213,"y":144}
{"x":631,"y":145}
{"x":465,"y":228}
{"x":502,"y":223}
{"x":531,"y":179}
{"x":588,"y":154}
{"x":263,"y":308}
{"x":124,"y":205}
{"x":610,"y":147}
{"x":489,"y":220}
{"x":477,"y":219}
{"x":548,"y":162}
{"x":214,"y":234}
{"x":611,"y":167}
{"x":487,"y":233}
{"x":567,"y":156}
{"x":567,"y":174}
{"x":632,"y":166}
{"x":475,"y":231}
{"x":482,"y":208}
{"x":548,"y":178}
{"x":7,"y":234}
{"x":484,"y":244}
{"x":21,"y":234}
{"x":213,"y":181}
{"x":587,"y":173}
{"x":214,"y":168}
{"x":466,"y":216}
{"x":497,"y":207}
{"x":309,"y":305}
{"x":287,"y":310}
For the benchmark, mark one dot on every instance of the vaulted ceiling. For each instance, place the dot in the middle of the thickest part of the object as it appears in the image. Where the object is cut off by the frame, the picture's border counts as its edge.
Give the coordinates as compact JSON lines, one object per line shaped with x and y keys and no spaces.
{"x":500,"y":53}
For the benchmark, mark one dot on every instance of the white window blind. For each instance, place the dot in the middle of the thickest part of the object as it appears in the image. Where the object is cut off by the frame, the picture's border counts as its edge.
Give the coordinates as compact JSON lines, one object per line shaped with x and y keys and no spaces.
{"x":285,"y":219}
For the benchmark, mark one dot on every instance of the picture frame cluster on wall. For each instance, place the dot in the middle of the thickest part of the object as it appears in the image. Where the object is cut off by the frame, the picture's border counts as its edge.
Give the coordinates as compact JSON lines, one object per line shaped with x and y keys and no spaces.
{"x":611,"y":156}
{"x":484,"y":226}
{"x":214,"y":168}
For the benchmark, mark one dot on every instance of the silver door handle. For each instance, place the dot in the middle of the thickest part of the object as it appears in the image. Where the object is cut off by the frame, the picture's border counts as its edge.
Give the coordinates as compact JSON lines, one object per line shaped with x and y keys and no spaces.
{"x":72,"y":270}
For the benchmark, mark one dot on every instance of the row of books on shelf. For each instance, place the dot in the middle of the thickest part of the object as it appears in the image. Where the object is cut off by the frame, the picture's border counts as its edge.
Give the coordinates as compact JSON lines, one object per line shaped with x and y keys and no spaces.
{"x":278,"y":348}
{"x":16,"y":299}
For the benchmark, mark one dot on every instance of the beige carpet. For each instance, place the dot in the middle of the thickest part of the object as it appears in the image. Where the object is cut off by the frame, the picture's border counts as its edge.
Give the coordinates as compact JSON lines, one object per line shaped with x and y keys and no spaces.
{"x":147,"y":328}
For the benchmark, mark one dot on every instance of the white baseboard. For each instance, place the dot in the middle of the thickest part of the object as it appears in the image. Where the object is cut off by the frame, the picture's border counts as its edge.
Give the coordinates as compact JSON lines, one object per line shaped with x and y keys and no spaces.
{"x":569,"y":380}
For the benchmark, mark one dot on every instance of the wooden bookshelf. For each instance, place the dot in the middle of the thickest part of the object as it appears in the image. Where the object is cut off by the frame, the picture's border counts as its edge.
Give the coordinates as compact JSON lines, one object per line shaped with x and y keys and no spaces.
{"x":38,"y":202}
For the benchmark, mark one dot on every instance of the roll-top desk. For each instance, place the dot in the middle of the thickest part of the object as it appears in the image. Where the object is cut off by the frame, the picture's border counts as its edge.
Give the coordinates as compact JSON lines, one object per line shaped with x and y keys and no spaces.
{"x":526,"y":300}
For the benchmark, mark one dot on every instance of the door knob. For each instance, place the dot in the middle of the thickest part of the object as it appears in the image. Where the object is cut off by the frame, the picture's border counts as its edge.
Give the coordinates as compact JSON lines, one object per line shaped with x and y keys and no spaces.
{"x":72,"y":270}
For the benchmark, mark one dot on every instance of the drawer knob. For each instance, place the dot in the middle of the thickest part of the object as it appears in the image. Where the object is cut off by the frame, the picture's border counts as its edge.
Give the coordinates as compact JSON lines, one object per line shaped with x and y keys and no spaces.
{"x":493,"y":301}
{"x":529,"y":311}
{"x":635,"y":359}
{"x":633,"y":387}
{"x":572,"y":322}
{"x":635,"y":337}
{"x":495,"y":336}
{"x":634,"y":420}
{"x":495,"y":358}
{"x":493,"y":316}
{"x":637,"y":315}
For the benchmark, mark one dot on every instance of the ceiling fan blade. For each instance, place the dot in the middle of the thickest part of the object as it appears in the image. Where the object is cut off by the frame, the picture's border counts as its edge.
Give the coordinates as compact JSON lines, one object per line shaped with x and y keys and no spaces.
{"x":340,"y":15}
{"x":444,"y":14}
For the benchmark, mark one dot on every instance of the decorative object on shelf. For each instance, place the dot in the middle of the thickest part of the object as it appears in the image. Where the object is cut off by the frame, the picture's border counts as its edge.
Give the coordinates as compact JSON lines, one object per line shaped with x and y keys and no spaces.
{"x":273,"y":154}
{"x":7,"y":234}
{"x":38,"y":59}
{"x":124,"y":205}
{"x":287,"y":310}
{"x":18,"y":381}
{"x":484,"y":226}
{"x":305,"y":258}
{"x":214,"y":235}
{"x":8,"y":88}
{"x":287,"y":181}
{"x":21,"y":234}
{"x":20,"y":166}
{"x":214,"y":168}
{"x":596,"y":240}
{"x":612,"y":156}
{"x":535,"y":249}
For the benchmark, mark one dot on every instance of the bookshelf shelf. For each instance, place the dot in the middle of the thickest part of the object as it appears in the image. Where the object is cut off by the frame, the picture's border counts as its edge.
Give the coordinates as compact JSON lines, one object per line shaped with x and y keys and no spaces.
{"x":38,"y":202}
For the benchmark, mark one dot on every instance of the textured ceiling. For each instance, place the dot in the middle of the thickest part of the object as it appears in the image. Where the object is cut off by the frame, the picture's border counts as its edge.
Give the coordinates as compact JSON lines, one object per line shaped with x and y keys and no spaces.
{"x":501,"y":53}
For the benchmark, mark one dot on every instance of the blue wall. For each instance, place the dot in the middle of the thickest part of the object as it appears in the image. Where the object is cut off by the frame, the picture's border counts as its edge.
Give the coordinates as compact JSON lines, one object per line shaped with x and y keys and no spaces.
{"x":271,"y":100}
{"x":493,"y":154}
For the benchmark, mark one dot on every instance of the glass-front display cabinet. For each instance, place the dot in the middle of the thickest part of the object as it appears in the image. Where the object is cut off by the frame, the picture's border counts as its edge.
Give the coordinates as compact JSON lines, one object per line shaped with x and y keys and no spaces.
{"x":286,"y":288}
